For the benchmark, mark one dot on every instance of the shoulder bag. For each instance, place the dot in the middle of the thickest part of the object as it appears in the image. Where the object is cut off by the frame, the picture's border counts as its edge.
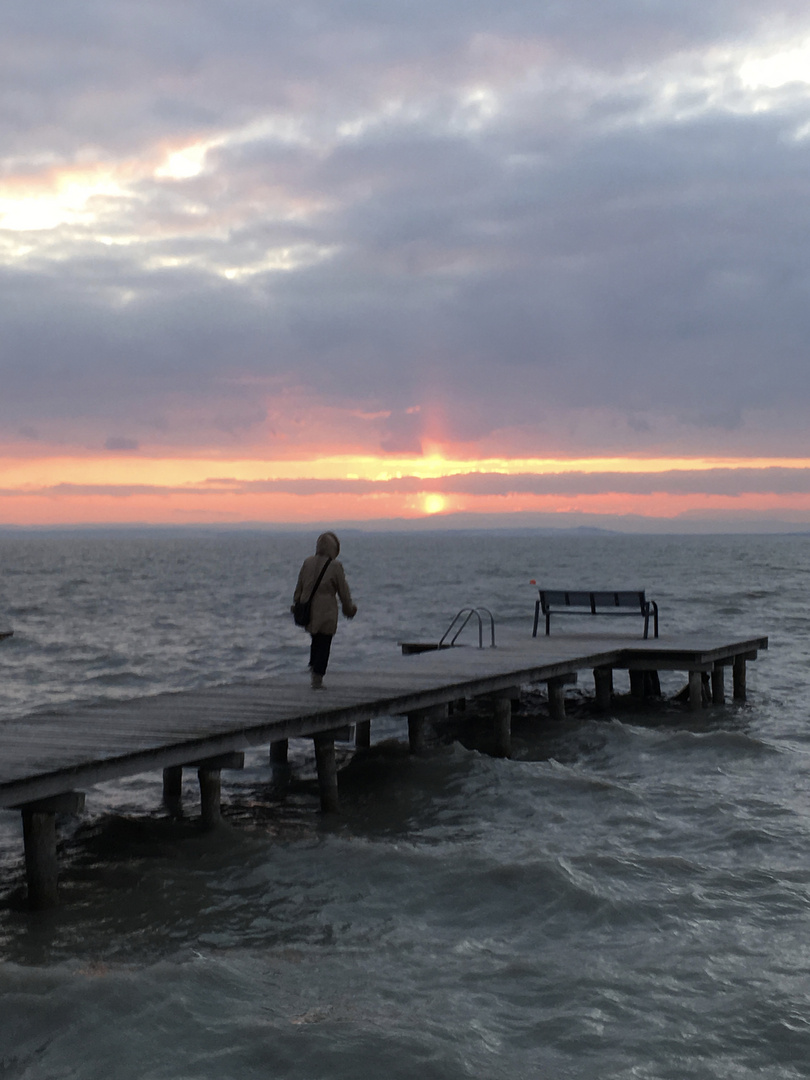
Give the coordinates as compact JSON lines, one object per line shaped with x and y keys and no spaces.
{"x":302,"y":609}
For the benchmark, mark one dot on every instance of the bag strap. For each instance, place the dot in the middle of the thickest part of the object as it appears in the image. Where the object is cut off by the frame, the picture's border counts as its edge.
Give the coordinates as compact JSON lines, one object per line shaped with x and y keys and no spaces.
{"x":320,"y":579}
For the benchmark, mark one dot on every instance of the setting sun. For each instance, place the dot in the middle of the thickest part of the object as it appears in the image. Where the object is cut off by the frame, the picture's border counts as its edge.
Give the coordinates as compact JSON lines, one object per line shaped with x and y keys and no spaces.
{"x":434,"y":504}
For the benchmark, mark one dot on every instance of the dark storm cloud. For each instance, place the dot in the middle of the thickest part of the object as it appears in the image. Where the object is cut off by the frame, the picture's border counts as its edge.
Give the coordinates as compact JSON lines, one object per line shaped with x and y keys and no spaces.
{"x":498,"y":211}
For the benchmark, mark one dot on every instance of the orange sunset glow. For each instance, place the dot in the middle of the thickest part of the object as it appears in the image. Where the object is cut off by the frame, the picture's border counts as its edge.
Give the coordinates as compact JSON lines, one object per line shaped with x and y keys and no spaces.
{"x":137,"y":488}
{"x":365,"y":290}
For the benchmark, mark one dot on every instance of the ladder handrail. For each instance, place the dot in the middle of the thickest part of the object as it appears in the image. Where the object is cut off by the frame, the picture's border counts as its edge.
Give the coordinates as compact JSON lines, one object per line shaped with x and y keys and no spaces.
{"x":470,"y":612}
{"x":491,"y":626}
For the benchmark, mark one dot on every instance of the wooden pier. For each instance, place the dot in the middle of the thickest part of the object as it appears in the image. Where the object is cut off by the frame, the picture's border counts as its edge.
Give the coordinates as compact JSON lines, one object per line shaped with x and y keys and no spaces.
{"x":48,"y":761}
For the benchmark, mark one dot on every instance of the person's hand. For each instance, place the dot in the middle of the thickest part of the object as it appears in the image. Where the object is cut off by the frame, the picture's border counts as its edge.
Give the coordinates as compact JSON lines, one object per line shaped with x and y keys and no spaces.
{"x":350,"y":612}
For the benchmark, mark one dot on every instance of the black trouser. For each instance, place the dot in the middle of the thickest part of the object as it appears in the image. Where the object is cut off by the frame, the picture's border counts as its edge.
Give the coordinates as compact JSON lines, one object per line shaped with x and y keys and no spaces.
{"x":319,"y":652}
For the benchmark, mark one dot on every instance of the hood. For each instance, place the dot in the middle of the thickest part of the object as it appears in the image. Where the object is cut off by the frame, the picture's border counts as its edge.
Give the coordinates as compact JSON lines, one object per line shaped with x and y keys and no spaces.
{"x":328,"y":544}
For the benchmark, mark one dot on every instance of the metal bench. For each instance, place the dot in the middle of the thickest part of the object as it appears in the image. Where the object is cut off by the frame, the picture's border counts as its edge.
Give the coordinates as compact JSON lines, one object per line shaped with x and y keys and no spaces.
{"x":602,"y":602}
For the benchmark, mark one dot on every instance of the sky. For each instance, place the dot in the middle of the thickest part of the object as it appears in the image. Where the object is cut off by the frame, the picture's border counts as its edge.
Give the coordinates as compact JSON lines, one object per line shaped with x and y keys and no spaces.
{"x":405,"y":261}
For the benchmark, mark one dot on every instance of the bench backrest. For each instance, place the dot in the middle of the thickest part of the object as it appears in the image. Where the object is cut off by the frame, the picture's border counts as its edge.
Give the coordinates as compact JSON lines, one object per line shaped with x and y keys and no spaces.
{"x":594,"y":601}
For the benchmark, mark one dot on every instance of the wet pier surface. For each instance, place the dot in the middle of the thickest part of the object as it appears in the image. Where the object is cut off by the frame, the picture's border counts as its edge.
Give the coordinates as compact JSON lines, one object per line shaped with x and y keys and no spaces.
{"x":48,"y":760}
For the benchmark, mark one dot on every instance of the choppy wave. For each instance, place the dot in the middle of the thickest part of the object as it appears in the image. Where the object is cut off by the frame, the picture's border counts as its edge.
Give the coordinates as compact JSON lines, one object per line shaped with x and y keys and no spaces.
{"x":625,"y":898}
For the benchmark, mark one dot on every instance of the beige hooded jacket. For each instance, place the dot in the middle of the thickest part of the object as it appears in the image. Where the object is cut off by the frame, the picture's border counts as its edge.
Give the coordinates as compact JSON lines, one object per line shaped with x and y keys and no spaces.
{"x":324,"y":613}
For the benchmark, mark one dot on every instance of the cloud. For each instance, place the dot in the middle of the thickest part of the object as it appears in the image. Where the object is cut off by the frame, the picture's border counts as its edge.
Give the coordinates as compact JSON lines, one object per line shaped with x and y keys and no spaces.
{"x":720,"y":481}
{"x":716,"y":481}
{"x":546,"y":225}
{"x":119,"y":442}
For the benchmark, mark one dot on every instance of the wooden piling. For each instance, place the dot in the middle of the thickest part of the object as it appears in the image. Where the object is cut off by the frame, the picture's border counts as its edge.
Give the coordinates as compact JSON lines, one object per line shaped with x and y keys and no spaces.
{"x":739,"y":677}
{"x":695,"y":690}
{"x":278,"y":753}
{"x":502,"y":724}
{"x":362,"y":734}
{"x":418,"y":722}
{"x":416,"y":731}
{"x":419,"y":725}
{"x":41,"y":868}
{"x":172,"y":785}
{"x":39,"y":838}
{"x":636,"y":683}
{"x":603,"y":684}
{"x":556,"y":697}
{"x":327,"y":773}
{"x":718,"y":685}
{"x":208,"y":774}
{"x":210,"y":797}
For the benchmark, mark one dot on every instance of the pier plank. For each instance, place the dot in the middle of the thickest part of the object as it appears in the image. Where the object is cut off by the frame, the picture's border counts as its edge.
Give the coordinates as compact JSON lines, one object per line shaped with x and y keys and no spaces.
{"x":45,"y":754}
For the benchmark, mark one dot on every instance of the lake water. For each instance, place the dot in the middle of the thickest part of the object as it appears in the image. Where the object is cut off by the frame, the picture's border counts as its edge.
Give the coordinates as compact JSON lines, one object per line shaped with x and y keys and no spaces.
{"x":625,"y":897}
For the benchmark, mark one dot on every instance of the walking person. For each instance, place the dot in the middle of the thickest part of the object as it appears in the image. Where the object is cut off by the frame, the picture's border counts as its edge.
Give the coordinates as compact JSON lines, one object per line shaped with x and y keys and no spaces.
{"x":321,"y":581}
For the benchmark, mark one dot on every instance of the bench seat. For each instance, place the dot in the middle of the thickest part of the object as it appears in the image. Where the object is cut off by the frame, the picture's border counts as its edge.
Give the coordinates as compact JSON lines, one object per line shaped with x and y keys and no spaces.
{"x":597,"y":602}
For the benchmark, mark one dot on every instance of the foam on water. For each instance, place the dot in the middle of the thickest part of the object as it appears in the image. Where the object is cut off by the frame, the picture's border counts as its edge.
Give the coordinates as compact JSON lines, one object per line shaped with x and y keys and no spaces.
{"x":626,"y":897}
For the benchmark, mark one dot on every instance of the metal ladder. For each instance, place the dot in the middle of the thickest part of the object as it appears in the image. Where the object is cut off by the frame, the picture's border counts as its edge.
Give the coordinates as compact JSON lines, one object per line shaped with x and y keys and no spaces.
{"x":464,"y":616}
